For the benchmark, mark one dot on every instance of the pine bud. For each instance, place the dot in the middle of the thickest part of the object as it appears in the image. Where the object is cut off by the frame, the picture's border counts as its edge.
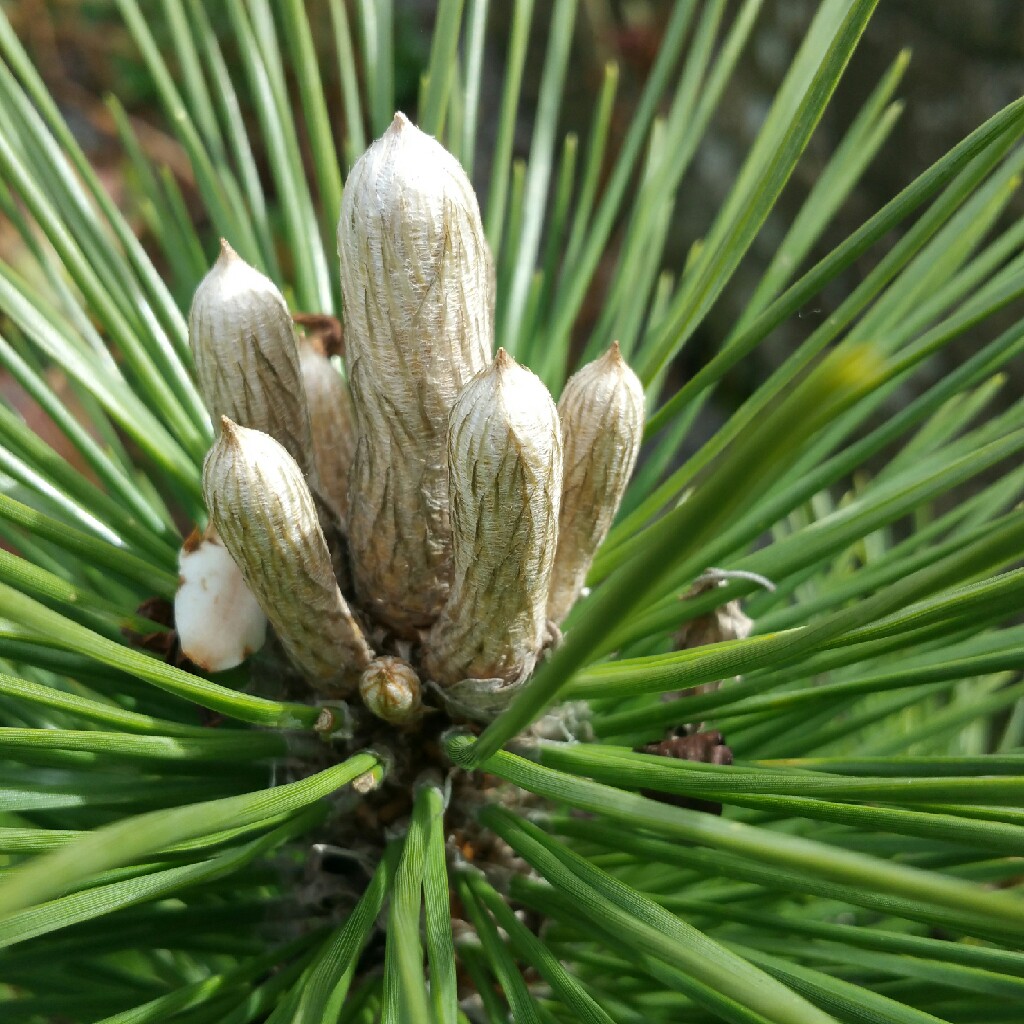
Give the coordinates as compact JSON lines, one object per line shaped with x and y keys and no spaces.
{"x":416,"y":284}
{"x":331,"y":418}
{"x":602,"y":416}
{"x":505,"y":472}
{"x":390,"y":689}
{"x":218,"y":621}
{"x":265,"y":514}
{"x":247,"y":364}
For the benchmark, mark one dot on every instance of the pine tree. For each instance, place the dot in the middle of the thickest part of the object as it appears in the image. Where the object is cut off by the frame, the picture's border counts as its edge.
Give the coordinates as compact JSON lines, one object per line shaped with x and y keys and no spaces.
{"x":765,"y":770}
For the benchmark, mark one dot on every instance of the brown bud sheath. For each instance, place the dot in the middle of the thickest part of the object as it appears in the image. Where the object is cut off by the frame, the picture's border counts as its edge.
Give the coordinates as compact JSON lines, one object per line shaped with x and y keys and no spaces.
{"x":602,"y":416}
{"x":416,"y":286}
{"x":505,"y":473}
{"x":331,"y":418}
{"x":247,"y":363}
{"x":264,"y":512}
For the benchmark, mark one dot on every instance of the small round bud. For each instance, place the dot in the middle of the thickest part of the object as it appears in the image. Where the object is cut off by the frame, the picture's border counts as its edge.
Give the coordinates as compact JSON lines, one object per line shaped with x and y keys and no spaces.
{"x":391,"y":690}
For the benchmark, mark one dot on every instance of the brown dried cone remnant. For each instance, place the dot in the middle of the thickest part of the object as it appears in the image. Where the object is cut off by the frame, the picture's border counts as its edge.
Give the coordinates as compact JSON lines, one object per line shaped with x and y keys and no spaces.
{"x":602,"y":415}
{"x":247,"y":362}
{"x":416,"y":287}
{"x":264,"y":512}
{"x":708,"y":747}
{"x":390,"y":689}
{"x":331,"y":417}
{"x":505,"y":472}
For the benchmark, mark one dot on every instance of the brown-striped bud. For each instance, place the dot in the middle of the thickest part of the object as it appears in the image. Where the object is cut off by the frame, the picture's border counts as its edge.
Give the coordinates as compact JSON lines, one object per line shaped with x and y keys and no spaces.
{"x":602,"y":416}
{"x":505,"y":474}
{"x":416,"y":287}
{"x":218,"y":621}
{"x":331,"y":418}
{"x":264,"y":512}
{"x":390,"y":689}
{"x":247,"y":363}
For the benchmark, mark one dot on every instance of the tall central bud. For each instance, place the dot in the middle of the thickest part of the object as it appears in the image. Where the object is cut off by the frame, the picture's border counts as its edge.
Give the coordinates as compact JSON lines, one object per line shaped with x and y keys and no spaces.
{"x":418,"y":326}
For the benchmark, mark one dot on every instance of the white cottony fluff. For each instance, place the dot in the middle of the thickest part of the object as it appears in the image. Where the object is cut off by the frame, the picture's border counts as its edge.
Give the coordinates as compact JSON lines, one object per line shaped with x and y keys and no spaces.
{"x":218,"y":620}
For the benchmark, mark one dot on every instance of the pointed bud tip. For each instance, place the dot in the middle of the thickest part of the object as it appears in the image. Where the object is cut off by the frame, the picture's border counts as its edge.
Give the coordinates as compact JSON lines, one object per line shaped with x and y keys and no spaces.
{"x":228,"y":428}
{"x":399,"y":121}
{"x":503,"y":361}
{"x":226,"y":252}
{"x":613,"y":360}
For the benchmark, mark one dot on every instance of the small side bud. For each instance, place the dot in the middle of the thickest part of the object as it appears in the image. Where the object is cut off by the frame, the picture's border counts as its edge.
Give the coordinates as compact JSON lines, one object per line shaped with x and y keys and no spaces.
{"x":416,"y":282}
{"x":331,"y":418}
{"x":265,"y":514}
{"x":390,"y":689}
{"x":602,"y":416}
{"x":247,"y":363}
{"x":218,"y":621}
{"x":505,"y":473}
